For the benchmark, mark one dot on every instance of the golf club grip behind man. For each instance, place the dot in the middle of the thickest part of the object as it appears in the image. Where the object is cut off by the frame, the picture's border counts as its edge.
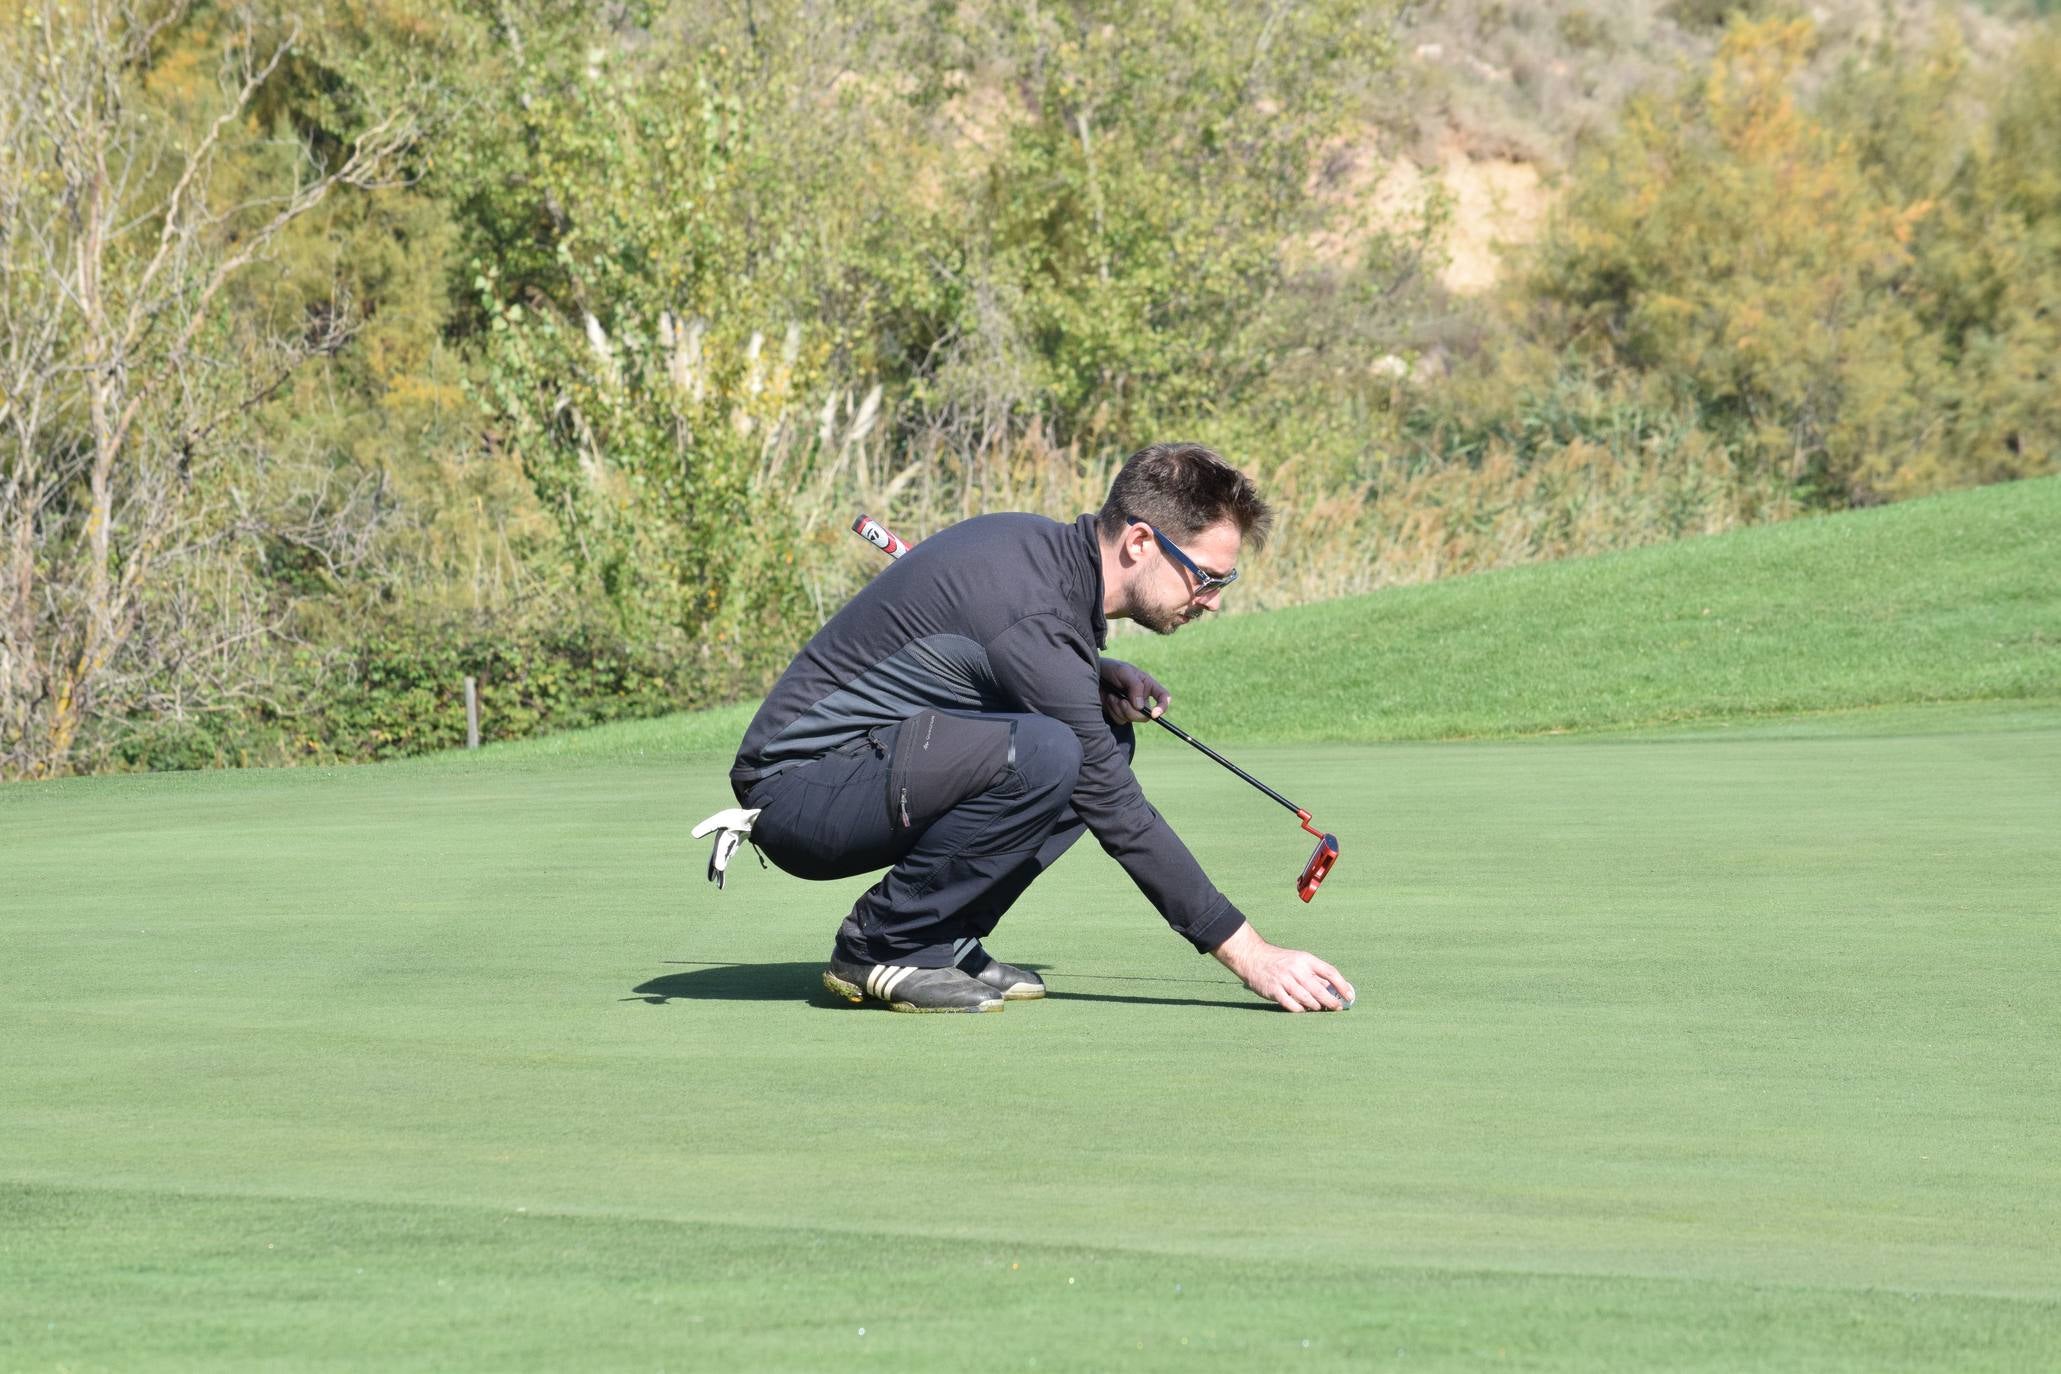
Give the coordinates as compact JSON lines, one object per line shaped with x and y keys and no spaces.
{"x":956,"y":724}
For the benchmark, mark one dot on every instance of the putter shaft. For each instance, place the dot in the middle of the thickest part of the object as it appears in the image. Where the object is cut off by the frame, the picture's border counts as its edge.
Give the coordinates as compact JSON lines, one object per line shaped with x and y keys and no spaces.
{"x":1300,"y":814}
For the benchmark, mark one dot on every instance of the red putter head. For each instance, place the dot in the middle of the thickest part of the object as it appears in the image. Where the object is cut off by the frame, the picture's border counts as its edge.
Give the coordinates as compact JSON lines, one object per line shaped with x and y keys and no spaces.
{"x":1321,"y":859}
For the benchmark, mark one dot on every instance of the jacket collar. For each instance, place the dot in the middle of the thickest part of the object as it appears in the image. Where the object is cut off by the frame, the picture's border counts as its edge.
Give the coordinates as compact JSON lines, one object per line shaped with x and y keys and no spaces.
{"x":1091,"y":545}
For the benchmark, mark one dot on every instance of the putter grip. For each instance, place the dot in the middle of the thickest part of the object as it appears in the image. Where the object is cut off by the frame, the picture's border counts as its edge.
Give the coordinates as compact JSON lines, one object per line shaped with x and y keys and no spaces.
{"x":879,"y":536}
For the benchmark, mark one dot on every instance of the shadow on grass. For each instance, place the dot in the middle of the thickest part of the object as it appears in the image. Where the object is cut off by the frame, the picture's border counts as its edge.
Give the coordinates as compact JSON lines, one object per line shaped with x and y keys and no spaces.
{"x":709,"y":982}
{"x":1243,"y":1005}
{"x":803,"y":982}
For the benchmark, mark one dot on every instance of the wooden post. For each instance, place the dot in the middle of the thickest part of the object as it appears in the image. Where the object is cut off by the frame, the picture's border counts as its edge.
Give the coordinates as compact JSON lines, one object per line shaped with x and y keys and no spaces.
{"x":472,"y":713}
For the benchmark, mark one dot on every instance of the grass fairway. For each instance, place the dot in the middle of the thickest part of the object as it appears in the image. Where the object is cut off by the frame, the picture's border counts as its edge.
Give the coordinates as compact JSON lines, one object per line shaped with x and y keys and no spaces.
{"x":1722,"y":1036}
{"x":1953,"y":598}
{"x":1687,"y":1052}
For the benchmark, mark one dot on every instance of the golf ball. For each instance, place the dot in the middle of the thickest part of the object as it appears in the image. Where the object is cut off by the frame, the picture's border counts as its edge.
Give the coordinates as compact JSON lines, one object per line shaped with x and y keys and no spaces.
{"x":1333,"y":990}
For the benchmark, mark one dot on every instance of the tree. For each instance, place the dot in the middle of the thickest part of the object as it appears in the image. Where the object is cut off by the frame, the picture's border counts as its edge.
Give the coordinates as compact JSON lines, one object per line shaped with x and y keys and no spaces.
{"x":1989,"y":272}
{"x":137,"y":210}
{"x":1856,"y":295}
{"x":657,"y":220}
{"x":1729,"y":244}
{"x":1131,"y":238}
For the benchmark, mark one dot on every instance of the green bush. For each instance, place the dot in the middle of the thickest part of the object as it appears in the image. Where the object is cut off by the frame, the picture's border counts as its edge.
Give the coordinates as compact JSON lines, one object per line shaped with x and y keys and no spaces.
{"x":1127,"y":240}
{"x":1855,"y":298}
{"x":401,"y":691}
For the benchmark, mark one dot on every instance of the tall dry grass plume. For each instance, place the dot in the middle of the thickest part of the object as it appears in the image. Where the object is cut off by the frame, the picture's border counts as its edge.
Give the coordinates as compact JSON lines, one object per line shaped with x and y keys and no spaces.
{"x":1385,"y":525}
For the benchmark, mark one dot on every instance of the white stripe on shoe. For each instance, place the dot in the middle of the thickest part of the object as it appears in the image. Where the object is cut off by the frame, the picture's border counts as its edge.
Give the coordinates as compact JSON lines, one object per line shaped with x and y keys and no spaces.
{"x":883,"y":979}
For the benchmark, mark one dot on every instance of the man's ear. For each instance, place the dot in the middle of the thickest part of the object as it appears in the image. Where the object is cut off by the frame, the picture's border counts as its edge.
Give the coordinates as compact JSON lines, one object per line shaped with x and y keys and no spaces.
{"x":1133,"y":542}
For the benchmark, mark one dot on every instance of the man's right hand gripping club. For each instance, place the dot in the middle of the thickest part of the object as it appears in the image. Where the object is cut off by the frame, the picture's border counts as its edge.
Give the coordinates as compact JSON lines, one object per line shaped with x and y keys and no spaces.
{"x":1295,"y":979}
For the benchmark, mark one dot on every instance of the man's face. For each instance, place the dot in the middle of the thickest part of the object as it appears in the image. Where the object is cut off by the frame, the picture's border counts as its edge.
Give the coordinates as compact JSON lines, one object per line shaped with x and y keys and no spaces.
{"x":1162,"y":594}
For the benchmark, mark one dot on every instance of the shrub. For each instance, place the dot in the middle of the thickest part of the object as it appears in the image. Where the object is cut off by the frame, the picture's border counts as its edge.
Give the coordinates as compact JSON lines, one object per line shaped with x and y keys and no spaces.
{"x":1804,"y":284}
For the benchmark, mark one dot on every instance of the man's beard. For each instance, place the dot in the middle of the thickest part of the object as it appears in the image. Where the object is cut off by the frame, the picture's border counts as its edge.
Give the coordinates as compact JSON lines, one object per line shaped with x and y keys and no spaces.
{"x":1159,"y":618}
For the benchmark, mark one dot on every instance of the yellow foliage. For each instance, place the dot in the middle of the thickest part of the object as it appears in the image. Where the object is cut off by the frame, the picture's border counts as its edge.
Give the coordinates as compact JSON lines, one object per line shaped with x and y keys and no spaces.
{"x":1766,"y":265}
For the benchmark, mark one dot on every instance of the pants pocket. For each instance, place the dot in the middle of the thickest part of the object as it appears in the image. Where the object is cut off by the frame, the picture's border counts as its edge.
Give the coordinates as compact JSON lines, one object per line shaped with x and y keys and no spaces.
{"x":941,"y":760}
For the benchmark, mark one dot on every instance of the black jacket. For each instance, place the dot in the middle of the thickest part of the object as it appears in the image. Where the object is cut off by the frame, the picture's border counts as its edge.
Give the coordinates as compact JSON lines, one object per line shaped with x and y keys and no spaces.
{"x":999,"y":613}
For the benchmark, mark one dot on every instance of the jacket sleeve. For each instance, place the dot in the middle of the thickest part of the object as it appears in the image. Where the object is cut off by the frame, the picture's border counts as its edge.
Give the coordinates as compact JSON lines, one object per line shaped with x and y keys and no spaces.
{"x":1050,"y":667}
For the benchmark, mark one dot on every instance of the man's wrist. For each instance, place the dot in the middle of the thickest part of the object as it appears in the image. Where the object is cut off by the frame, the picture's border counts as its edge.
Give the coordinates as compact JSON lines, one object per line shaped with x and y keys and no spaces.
{"x":1237,"y":949}
{"x":1207,"y":936}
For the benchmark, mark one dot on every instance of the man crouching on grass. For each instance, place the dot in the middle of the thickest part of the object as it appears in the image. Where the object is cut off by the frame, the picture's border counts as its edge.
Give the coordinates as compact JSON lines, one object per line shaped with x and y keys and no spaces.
{"x":956,"y":725}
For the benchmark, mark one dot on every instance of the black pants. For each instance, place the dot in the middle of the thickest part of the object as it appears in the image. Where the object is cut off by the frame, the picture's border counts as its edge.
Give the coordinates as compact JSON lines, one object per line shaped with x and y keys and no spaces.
{"x":963,"y":811}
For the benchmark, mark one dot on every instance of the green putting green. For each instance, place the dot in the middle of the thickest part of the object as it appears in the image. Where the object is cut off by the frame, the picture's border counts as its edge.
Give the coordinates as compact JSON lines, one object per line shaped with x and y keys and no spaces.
{"x":1729,"y":1049}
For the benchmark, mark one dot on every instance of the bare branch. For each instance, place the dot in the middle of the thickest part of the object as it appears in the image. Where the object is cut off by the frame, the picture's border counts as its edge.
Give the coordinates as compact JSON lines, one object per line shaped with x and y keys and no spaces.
{"x":197,"y":163}
{"x":371,"y":149}
{"x":139,"y":40}
{"x":134,"y":509}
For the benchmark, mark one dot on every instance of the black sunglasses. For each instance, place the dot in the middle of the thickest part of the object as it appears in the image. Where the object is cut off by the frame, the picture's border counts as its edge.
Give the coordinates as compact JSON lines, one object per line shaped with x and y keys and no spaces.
{"x":1205,"y":582}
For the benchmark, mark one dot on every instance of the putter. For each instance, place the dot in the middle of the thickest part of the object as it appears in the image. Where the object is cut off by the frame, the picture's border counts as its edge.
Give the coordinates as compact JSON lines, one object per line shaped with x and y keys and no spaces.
{"x":1321,"y":858}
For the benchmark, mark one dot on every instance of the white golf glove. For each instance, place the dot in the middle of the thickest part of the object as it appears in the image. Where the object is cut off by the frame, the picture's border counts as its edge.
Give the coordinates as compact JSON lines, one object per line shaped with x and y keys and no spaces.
{"x":731,"y":829}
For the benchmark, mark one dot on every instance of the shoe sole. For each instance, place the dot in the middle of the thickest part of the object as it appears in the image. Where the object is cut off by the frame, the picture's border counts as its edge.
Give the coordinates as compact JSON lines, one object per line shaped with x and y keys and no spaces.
{"x":1023,"y":992}
{"x":853,"y":993}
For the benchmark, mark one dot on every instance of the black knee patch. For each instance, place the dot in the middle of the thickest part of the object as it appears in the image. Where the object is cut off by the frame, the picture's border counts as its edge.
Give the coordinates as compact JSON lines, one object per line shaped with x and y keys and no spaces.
{"x":1048,"y":754}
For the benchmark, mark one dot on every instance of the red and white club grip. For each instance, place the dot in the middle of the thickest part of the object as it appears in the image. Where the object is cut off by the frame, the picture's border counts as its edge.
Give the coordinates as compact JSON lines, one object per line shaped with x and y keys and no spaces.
{"x":879,"y":536}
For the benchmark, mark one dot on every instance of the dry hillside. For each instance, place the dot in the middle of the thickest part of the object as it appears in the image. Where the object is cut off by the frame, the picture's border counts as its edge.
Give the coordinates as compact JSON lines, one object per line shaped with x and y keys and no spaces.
{"x":1497,"y":97}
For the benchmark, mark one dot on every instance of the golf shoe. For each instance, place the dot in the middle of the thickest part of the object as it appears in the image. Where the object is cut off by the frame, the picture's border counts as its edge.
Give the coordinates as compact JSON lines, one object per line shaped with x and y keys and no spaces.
{"x":907,"y":988}
{"x":1015,"y":984}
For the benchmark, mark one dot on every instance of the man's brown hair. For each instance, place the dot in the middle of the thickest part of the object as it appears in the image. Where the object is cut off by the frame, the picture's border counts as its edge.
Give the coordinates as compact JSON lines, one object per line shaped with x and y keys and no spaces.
{"x":1181,"y":490}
